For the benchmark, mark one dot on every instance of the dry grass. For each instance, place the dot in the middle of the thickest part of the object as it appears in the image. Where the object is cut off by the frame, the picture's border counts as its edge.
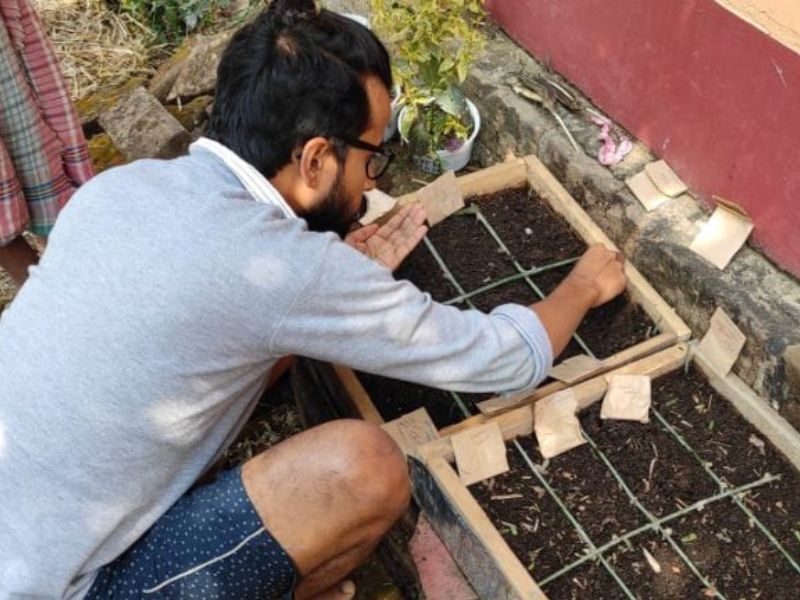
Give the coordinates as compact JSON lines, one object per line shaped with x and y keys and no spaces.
{"x":7,"y":290}
{"x":96,"y":46}
{"x":262,"y":432}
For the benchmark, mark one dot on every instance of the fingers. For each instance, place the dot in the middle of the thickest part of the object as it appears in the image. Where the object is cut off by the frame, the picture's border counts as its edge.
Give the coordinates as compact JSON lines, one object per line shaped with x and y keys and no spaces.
{"x":396,"y":221}
{"x":359,"y":236}
{"x":392,"y":242}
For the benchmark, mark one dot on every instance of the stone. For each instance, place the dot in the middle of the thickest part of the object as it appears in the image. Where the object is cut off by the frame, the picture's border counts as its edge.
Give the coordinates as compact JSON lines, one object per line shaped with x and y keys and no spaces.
{"x":104,"y":153}
{"x":91,"y":106}
{"x":357,"y":7}
{"x":791,"y":357}
{"x":199,"y":75}
{"x":192,"y":114}
{"x":141,"y":128}
{"x":166,"y":75}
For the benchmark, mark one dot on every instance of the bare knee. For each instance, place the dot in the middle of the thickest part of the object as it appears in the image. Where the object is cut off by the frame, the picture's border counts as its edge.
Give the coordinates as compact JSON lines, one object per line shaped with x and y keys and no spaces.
{"x":353,"y":461}
{"x":371,"y":467}
{"x":329,"y":490}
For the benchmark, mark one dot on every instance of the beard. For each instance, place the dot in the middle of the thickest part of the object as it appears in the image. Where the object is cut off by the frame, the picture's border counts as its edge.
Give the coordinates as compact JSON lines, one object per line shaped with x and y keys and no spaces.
{"x":333,"y":213}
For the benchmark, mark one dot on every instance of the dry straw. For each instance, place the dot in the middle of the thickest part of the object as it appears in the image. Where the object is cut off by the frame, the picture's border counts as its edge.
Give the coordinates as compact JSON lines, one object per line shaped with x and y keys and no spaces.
{"x":96,"y":46}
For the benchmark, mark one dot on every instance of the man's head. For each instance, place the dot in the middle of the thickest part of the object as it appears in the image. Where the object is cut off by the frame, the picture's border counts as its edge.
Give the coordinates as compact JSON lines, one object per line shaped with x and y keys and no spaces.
{"x":302,"y":95}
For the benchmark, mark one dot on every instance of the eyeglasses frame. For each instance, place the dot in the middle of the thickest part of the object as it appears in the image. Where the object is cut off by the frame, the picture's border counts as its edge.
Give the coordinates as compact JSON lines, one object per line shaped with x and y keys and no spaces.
{"x":362,"y":145}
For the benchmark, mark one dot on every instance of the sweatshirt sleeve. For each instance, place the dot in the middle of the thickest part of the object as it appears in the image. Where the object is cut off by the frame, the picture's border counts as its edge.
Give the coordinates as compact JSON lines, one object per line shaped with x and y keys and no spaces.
{"x":353,"y":312}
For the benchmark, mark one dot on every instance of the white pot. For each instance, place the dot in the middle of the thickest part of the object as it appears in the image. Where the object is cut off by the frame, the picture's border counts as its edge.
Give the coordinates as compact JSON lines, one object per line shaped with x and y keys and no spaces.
{"x":458,"y":159}
{"x":452,"y":160}
{"x":397,"y":106}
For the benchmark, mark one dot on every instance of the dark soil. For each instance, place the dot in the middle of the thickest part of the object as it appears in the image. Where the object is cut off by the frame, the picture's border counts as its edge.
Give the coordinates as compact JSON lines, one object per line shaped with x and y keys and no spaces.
{"x":730,"y":552}
{"x":470,"y":252}
{"x":722,"y":437}
{"x":535,"y":235}
{"x":530,"y":521}
{"x":396,"y":398}
{"x":533,"y":232}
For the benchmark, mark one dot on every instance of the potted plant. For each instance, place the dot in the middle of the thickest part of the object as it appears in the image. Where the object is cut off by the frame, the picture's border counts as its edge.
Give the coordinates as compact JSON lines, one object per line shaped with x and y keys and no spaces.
{"x":433,"y":43}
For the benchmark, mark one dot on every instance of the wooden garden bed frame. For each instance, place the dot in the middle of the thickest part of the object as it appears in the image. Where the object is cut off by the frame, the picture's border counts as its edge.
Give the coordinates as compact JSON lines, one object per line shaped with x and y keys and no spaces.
{"x":531,"y":172}
{"x":491,"y":566}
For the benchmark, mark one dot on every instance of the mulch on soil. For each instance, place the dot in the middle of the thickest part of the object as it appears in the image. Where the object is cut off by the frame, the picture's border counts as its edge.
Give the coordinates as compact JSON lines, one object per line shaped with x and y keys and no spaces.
{"x":737,"y":558}
{"x":535,"y":235}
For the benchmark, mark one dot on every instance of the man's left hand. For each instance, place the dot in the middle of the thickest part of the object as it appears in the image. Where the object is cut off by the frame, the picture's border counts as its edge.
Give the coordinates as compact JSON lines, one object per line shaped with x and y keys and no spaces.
{"x":391,"y":242}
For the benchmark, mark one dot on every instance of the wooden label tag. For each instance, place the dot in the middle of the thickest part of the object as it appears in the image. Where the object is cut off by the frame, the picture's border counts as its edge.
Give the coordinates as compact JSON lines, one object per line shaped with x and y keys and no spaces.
{"x":412,"y":430}
{"x":646,"y":191}
{"x":480,"y":453}
{"x":628,"y":398}
{"x":723,"y":235}
{"x":556,"y":426}
{"x":722,"y":343}
{"x":665,"y":179}
{"x":378,"y":204}
{"x":575,"y":368}
{"x":441,"y":198}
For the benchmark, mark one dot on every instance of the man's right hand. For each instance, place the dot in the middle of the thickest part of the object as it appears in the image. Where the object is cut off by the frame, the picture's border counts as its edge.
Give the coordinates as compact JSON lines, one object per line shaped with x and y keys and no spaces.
{"x":597,"y":278}
{"x":600,"y":270}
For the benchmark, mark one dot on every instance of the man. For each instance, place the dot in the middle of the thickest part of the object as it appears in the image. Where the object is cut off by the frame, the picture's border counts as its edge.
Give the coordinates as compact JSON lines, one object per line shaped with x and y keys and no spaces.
{"x":168,"y":293}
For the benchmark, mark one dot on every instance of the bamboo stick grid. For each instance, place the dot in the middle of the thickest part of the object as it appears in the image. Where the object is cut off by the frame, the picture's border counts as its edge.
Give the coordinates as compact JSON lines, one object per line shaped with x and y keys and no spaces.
{"x":595,"y":552}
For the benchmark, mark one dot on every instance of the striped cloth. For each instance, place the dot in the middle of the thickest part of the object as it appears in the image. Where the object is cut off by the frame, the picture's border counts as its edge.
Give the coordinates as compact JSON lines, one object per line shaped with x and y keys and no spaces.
{"x":43,"y":154}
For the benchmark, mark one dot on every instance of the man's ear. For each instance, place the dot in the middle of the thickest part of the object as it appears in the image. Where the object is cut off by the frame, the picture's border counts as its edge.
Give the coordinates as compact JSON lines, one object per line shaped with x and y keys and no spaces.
{"x":312,"y":158}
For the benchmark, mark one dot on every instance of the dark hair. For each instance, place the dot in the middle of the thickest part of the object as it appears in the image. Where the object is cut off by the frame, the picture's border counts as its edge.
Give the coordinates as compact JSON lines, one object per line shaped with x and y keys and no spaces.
{"x":293,"y":74}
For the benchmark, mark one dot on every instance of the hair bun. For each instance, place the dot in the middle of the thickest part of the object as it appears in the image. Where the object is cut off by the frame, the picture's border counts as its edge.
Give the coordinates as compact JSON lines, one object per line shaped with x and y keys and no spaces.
{"x":289,"y":12}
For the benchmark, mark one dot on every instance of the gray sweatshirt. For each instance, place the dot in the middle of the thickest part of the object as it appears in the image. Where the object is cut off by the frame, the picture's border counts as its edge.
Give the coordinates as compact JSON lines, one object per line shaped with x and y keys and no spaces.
{"x":138,"y":347}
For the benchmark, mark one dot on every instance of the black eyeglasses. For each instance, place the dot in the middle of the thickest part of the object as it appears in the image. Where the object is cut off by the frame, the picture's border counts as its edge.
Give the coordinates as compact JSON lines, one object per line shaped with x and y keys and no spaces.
{"x":379,"y":160}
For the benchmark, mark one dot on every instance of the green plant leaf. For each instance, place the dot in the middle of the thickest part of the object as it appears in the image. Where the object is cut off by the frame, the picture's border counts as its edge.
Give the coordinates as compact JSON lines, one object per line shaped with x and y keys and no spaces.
{"x":452,"y":101}
{"x":406,"y":121}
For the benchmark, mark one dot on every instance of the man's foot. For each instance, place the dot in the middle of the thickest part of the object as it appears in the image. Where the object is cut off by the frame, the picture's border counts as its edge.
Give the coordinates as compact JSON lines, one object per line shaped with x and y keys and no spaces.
{"x":344,"y":590}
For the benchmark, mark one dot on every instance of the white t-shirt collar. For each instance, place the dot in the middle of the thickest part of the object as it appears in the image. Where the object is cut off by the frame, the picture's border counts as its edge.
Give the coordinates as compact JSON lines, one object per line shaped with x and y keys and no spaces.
{"x":254,"y":182}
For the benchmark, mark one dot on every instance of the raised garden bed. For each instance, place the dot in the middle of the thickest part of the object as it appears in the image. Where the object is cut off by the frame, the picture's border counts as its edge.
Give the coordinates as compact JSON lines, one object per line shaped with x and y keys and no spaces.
{"x":699,"y":488}
{"x":517,"y":239}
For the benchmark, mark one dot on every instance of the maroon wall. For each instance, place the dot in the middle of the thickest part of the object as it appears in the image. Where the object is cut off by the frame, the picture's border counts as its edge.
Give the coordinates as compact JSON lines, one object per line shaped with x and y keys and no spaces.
{"x":710,"y":93}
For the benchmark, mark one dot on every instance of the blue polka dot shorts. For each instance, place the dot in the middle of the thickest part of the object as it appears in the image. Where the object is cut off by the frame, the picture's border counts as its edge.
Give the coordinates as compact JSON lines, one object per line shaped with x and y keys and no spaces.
{"x":211,"y":544}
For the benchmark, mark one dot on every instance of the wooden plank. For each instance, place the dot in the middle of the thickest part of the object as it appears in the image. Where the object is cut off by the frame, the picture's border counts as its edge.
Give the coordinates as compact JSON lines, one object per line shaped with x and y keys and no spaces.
{"x":519,"y":422}
{"x":663,"y":315}
{"x":640,"y":290}
{"x":359,"y":397}
{"x":515,"y":423}
{"x":492,"y":569}
{"x":500,"y":404}
{"x":486,"y":181}
{"x":755,"y":409}
{"x":550,"y":189}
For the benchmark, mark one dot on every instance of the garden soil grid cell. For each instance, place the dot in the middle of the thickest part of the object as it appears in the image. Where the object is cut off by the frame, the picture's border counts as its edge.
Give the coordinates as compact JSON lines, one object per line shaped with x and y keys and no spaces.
{"x":519,"y":236}
{"x":699,"y":488}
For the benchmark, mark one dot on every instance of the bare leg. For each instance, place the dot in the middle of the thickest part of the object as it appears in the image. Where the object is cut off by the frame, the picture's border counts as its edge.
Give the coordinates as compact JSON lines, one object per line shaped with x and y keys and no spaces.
{"x":16,"y":257}
{"x":328,"y":495}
